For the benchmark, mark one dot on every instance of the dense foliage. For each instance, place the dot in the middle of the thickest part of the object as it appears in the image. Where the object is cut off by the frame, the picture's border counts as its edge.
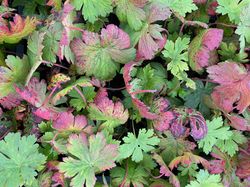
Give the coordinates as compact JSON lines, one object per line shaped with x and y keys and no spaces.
{"x":125,"y":93}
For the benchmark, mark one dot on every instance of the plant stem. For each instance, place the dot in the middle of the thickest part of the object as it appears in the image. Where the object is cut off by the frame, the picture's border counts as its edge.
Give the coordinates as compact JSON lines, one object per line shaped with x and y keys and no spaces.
{"x":125,"y":176}
{"x":80,"y":93}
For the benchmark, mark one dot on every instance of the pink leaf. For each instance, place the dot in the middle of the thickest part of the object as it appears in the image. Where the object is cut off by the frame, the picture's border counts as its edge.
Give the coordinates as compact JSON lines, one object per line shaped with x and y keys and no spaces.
{"x":67,"y":21}
{"x":201,"y":51}
{"x":239,"y":122}
{"x":152,"y":40}
{"x":66,"y":121}
{"x":35,"y":94}
{"x":234,"y":86}
{"x":47,"y":112}
{"x":216,"y":166}
{"x":165,"y":118}
{"x":104,"y":109}
{"x":212,"y":8}
{"x":200,"y":1}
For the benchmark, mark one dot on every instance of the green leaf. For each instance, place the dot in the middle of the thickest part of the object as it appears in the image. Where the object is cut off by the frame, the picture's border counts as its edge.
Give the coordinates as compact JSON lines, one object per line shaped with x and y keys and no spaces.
{"x":230,"y":146}
{"x":216,"y":132}
{"x":35,"y":48}
{"x":15,"y":73}
{"x":243,"y":27}
{"x":131,"y":12}
{"x":51,"y":41}
{"x":19,"y":160}
{"x":91,"y":10}
{"x":83,"y":82}
{"x":228,"y":52}
{"x":101,"y":55}
{"x":76,"y":100}
{"x":178,"y":55}
{"x":136,"y":174}
{"x":204,"y":179}
{"x":89,"y":156}
{"x":181,"y":6}
{"x":152,"y":77}
{"x":189,"y":170}
{"x":31,"y":7}
{"x":197,"y":99}
{"x":135,"y":147}
{"x":232,"y":8}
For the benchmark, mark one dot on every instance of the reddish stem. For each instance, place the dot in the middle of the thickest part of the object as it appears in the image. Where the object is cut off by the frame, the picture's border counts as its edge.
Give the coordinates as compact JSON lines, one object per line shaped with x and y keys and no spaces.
{"x":80,"y":93}
{"x":116,"y":89}
{"x":50,"y":95}
{"x":126,"y":175}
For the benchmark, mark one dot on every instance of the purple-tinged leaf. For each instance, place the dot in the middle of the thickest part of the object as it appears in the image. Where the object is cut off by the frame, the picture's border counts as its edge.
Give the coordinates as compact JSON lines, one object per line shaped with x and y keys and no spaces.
{"x":10,"y":101}
{"x":198,"y":126}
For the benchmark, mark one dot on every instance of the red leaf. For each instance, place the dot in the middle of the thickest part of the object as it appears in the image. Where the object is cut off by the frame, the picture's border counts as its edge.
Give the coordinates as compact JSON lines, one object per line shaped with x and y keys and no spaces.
{"x":234,"y":86}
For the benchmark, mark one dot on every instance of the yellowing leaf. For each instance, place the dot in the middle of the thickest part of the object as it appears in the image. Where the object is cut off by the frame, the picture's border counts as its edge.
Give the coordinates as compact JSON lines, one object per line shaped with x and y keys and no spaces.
{"x":18,"y":29}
